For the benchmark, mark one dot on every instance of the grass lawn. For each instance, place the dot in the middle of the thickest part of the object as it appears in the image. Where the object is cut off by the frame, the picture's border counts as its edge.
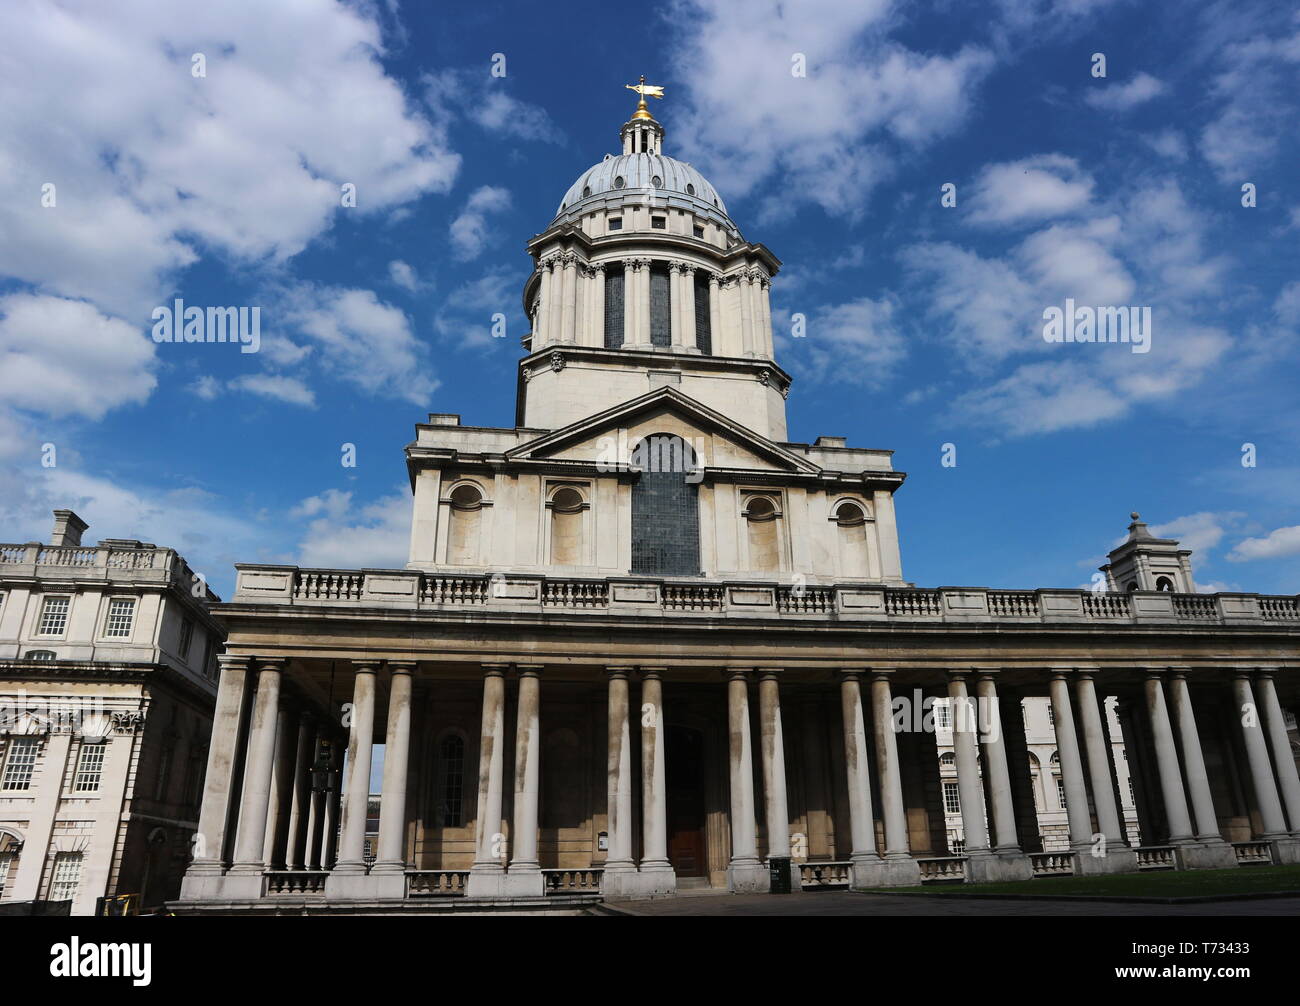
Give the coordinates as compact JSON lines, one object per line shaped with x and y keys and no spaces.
{"x":1164,"y":884}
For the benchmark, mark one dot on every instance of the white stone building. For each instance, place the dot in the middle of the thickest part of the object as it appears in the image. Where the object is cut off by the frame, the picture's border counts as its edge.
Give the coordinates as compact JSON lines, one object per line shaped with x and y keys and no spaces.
{"x":107,"y":682}
{"x":644,"y":641}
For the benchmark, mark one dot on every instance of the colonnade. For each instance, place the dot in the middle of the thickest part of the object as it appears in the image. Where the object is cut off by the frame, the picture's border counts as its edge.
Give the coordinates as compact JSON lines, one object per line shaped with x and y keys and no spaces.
{"x":264,"y":747}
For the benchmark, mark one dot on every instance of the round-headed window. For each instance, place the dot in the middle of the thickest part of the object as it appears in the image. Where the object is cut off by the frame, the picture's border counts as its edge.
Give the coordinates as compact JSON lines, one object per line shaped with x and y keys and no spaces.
{"x":849,"y":515}
{"x":618,"y":182}
{"x":466,"y":497}
{"x":567,"y":500}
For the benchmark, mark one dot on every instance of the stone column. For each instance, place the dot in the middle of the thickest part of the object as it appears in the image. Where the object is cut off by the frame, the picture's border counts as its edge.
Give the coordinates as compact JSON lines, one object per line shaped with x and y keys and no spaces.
{"x":1210,"y":850}
{"x":745,"y":872}
{"x":544,"y":297}
{"x":1171,"y":779}
{"x":596,"y":326}
{"x":202,"y":877}
{"x":675,"y":300}
{"x":643,"y":303}
{"x":390,"y":859}
{"x":333,"y":809}
{"x":254,"y":804}
{"x":1261,"y":772}
{"x":275,"y":847}
{"x":866,"y":863}
{"x":487,"y":874}
{"x":619,"y":776}
{"x":968,"y":774}
{"x":900,"y":867}
{"x":356,"y":791}
{"x":524,"y":878}
{"x":1067,"y":747}
{"x":569,"y":303}
{"x":1112,"y":854}
{"x":765,"y":338}
{"x":657,"y":875}
{"x":746,"y":314}
{"x":715,"y":315}
{"x":629,"y":302}
{"x":772,"y":744}
{"x":1002,"y":810}
{"x":1284,"y":761}
{"x":300,"y":812}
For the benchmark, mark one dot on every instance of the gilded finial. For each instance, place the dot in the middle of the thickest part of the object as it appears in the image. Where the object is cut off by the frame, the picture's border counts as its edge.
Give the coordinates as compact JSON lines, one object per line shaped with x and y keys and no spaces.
{"x":645,"y":90}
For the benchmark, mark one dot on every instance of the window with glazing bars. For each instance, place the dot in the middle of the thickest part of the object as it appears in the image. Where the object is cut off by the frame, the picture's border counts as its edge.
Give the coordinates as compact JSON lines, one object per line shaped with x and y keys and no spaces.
{"x":703,"y":316}
{"x":187,"y":636}
{"x":67,"y":876}
{"x":661,"y":333}
{"x":54,"y":616}
{"x":951,"y":798}
{"x":90,"y":768}
{"x":614,"y":308}
{"x":121,"y":612}
{"x":453,"y":780}
{"x":20,"y":762}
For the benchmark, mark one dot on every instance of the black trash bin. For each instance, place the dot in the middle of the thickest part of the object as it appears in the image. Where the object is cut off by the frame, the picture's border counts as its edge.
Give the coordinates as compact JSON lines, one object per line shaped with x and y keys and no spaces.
{"x":778,"y":868}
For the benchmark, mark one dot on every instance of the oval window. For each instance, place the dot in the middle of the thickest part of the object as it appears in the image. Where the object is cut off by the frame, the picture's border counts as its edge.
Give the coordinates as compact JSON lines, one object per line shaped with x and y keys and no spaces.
{"x":656,"y":181}
{"x":586,"y":191}
{"x":690,"y":189}
{"x":618,"y":182}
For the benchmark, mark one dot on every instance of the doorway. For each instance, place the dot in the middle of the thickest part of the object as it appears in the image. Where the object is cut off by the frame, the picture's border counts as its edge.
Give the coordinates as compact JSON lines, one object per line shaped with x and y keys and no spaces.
{"x":684,"y":772}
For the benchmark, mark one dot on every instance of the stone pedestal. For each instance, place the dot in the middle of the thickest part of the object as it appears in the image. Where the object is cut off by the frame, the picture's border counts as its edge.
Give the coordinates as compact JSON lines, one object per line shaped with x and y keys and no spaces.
{"x":1120,"y":860}
{"x":748,"y":878}
{"x":994,"y":868}
{"x":631,"y":885}
{"x":1286,"y":851}
{"x":1205,"y":856}
{"x":903,"y":871}
{"x":485,"y":883}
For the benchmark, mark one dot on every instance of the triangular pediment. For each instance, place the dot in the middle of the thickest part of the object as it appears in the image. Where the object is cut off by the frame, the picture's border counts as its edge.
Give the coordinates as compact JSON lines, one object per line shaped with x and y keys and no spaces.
{"x":721,"y":442}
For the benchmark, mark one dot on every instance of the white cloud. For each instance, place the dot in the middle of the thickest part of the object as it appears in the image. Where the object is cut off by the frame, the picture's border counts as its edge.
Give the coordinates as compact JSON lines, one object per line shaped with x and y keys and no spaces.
{"x":856,"y":342}
{"x":865,"y":97}
{"x":1198,"y":531}
{"x":1036,"y":188}
{"x":206,"y":387}
{"x":339,"y":534}
{"x":1287,"y":305}
{"x":465,"y":315}
{"x":486,"y":101}
{"x":1168,"y":143}
{"x":403,"y":275}
{"x":283,"y":389}
{"x":153,"y":166}
{"x":62,"y":357}
{"x":1277,"y":544}
{"x":363,"y":341}
{"x":469,"y":230}
{"x":1122,"y":97}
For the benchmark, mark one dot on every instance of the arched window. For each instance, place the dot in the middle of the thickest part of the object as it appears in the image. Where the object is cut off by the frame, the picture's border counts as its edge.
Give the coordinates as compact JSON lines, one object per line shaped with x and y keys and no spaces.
{"x":566,"y":506}
{"x":703,"y":314}
{"x":948,"y":760}
{"x":661,"y":333}
{"x":39,"y":655}
{"x":466,"y":513}
{"x":10,"y":846}
{"x":451,"y":782}
{"x":764,"y":534}
{"x":1164,"y":583}
{"x":851,"y":531}
{"x":1132,"y":586}
{"x":665,"y":511}
{"x":614,"y":307}
{"x":1055,"y":760}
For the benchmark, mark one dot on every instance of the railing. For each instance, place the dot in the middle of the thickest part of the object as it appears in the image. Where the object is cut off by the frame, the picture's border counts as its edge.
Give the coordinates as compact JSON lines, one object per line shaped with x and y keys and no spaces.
{"x":576,"y":593}
{"x":913,"y":602}
{"x":317,"y":586}
{"x":1052,"y":864}
{"x":805,"y":600}
{"x":1195,"y":606}
{"x":847,"y":603}
{"x":943,"y":869}
{"x":1098,"y":605}
{"x":1008,"y":604}
{"x":454,"y":590}
{"x":132,"y":558}
{"x":1156,"y":857}
{"x":13,"y":553}
{"x":296,"y":881}
{"x":573,"y":881}
{"x":61,"y":556}
{"x":436,"y":883}
{"x":1253,"y":853}
{"x":827,"y":874}
{"x":692,"y":598}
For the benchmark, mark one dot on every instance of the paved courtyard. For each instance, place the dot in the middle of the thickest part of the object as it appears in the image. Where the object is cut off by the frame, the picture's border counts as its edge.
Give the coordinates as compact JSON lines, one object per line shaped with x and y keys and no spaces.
{"x":852,"y":904}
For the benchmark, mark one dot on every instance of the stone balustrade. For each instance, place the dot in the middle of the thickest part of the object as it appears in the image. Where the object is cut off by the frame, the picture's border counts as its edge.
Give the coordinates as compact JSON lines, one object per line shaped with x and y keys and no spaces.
{"x":436,"y":883}
{"x":1052,"y":864}
{"x":576,"y":881}
{"x":1253,"y":853}
{"x":116,"y":560}
{"x":417,"y":590}
{"x":1156,"y":857}
{"x":825,"y":875}
{"x":296,"y":881}
{"x":943,"y":869}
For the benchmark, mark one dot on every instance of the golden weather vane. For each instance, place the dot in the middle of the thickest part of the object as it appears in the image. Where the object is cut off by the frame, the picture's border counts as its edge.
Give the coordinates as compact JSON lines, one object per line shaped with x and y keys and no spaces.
{"x":646,"y":91}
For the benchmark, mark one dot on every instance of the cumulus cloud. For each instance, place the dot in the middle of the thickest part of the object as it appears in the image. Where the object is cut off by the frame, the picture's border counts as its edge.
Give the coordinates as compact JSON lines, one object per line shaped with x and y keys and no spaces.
{"x":1200,"y":532}
{"x":1122,"y":97}
{"x":857,"y":342}
{"x":342,"y":534}
{"x":403,"y":275}
{"x":469,"y":230}
{"x":486,"y":101}
{"x":1277,"y":544}
{"x":464,"y":318}
{"x":1032,"y":189}
{"x":153,"y":166}
{"x":281,"y":388}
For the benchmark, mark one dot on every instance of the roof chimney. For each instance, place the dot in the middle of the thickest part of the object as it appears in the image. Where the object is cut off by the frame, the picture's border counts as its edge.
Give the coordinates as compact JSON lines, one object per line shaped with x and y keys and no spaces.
{"x":68,"y":528}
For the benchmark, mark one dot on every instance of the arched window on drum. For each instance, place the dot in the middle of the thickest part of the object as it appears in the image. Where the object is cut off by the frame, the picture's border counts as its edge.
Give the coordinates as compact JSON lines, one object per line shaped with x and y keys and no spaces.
{"x":465,"y":524}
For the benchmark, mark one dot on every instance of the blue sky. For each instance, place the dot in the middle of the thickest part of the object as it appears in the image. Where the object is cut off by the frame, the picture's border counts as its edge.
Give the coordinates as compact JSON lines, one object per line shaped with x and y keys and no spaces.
{"x":924,"y":322}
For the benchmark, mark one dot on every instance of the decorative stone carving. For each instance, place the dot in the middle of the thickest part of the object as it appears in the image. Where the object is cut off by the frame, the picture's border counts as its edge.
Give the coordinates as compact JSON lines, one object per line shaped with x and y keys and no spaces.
{"x":557,"y":362}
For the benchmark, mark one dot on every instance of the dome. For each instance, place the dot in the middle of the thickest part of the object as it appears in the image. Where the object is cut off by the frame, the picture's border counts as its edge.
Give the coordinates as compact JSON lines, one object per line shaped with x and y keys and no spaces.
{"x":619,"y":173}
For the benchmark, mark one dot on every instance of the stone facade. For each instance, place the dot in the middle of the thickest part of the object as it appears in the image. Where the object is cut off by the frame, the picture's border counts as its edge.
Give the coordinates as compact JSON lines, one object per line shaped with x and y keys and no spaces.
{"x":644,"y":641}
{"x":107,"y":682}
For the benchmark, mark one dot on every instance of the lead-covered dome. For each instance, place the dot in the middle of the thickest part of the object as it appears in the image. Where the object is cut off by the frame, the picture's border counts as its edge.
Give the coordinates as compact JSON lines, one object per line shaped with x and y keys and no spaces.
{"x":643,"y":174}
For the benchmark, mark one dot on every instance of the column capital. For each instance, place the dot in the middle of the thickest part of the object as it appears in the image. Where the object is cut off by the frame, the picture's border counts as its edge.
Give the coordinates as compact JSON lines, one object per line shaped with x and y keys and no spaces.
{"x":737,"y":673}
{"x":1241,"y":673}
{"x":1178,"y":672}
{"x":1060,"y":673}
{"x":1087,"y":673}
{"x":234,"y":661}
{"x":1154,"y":673}
{"x":769,"y":673}
{"x":529,"y":670}
{"x":494,"y":670}
{"x":652,"y":673}
{"x":958,"y":674}
{"x":850,"y":673}
{"x":271,"y":663}
{"x":1263,"y":673}
{"x":881,"y":673}
{"x":401,"y":666}
{"x":366,"y":666}
{"x":620,"y":671}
